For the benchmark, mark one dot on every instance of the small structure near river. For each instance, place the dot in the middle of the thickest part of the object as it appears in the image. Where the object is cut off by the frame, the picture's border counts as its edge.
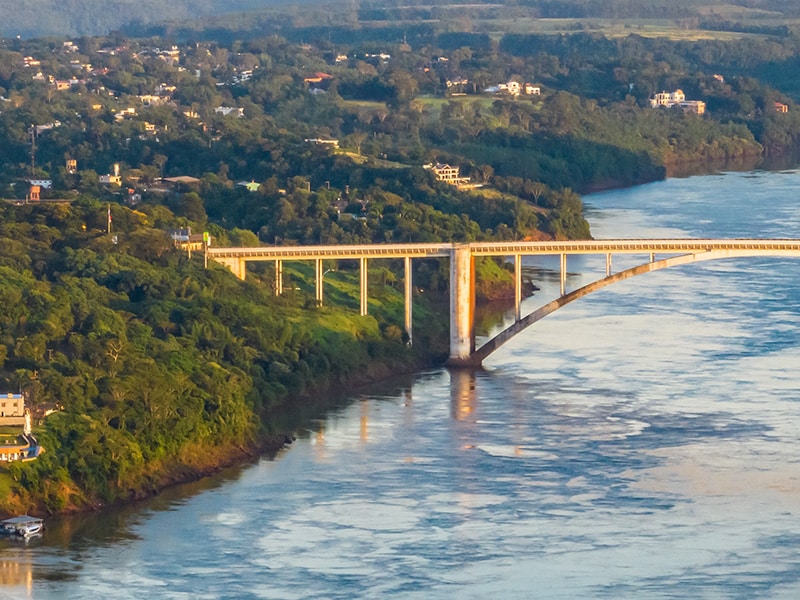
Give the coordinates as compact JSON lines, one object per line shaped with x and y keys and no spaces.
{"x":17,"y":441}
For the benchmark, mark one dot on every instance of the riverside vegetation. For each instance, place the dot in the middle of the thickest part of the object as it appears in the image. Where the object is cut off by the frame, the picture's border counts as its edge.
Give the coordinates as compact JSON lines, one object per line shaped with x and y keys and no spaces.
{"x":163,"y":369}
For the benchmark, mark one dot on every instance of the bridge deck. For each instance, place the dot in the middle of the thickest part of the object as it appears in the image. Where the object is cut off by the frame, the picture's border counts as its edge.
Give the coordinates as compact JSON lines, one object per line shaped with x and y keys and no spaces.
{"x":462,"y":350}
{"x":632,"y":246}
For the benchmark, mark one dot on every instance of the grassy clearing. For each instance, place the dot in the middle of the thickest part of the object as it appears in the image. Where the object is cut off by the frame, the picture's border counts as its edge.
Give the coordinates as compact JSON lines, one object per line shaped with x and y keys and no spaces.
{"x":364,"y":104}
{"x":361,"y":159}
{"x":433,"y":106}
{"x":608,"y":27}
{"x":678,"y":30}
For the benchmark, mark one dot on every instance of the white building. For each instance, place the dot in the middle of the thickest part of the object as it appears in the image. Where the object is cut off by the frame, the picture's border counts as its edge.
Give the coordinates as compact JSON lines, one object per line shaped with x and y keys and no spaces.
{"x":677,"y":98}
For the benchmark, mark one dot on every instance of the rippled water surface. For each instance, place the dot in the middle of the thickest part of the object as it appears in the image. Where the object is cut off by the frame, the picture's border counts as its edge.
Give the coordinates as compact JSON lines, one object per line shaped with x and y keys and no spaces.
{"x":640,"y":443}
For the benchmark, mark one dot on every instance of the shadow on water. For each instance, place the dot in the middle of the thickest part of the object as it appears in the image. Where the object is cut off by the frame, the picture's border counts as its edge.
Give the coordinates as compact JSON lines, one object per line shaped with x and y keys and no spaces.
{"x":773,"y":162}
{"x":75,"y":534}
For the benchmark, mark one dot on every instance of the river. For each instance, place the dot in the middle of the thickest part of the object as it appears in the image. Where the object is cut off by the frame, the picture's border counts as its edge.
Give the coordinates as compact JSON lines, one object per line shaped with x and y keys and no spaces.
{"x":643,"y":442}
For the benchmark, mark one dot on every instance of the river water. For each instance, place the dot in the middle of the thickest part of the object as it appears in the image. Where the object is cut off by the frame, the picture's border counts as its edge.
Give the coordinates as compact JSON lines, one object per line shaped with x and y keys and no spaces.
{"x":640,"y":443}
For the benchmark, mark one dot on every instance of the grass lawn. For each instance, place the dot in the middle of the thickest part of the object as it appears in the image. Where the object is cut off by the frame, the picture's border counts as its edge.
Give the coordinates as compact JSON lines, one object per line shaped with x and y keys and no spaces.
{"x":9,"y":436}
{"x":433,"y":105}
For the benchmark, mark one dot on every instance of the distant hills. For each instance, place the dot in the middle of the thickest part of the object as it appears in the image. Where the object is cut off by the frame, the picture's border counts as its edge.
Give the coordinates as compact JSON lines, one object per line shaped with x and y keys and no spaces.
{"x":40,"y":18}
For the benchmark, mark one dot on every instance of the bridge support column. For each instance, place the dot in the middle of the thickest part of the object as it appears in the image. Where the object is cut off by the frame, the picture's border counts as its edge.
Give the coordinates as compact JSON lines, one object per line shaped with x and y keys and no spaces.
{"x":563,"y":274}
{"x":462,"y":306}
{"x":608,"y":265}
{"x":363,"y":281}
{"x":409,"y":285}
{"x":517,"y":287}
{"x":278,"y":277}
{"x":318,"y":275}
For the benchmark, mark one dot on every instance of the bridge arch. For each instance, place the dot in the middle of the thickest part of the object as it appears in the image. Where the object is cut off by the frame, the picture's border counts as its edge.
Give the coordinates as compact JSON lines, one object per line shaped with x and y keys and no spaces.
{"x":479,"y":355}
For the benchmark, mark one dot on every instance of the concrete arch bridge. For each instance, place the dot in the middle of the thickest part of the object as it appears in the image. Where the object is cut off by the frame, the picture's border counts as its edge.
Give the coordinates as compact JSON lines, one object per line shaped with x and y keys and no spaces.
{"x":657,"y":254}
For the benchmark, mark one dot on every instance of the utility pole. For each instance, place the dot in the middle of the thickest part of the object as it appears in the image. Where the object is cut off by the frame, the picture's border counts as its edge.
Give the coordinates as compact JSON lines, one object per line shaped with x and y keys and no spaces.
{"x":33,"y":150}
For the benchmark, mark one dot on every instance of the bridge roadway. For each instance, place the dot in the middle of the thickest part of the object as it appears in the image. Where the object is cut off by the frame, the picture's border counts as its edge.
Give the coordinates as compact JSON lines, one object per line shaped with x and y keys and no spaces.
{"x":462,"y":296}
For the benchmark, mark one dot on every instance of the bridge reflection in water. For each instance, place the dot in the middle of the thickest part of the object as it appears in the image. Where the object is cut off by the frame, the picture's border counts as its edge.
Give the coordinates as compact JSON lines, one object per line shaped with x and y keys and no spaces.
{"x":462,"y":273}
{"x":16,"y":575}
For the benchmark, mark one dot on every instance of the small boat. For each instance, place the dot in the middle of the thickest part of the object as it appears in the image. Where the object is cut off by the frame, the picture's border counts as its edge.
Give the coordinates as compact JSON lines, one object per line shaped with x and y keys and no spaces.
{"x":23,"y":526}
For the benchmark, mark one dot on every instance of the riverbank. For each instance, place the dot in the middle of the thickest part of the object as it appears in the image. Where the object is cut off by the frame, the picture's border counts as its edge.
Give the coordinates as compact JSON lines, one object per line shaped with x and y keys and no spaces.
{"x":273,"y":430}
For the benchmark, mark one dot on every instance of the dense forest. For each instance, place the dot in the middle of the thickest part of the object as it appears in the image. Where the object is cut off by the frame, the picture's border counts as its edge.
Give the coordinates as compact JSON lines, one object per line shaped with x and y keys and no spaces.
{"x":158,"y":366}
{"x":277,"y":129}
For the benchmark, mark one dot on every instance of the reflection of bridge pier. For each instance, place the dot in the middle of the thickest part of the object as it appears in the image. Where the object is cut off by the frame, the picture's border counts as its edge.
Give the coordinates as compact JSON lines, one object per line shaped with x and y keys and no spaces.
{"x":463,"y":398}
{"x":462,"y":272}
{"x":17,"y":574}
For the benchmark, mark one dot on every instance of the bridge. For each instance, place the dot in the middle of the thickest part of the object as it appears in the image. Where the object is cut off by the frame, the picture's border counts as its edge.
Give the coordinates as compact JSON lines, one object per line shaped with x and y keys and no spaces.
{"x":659,"y":254}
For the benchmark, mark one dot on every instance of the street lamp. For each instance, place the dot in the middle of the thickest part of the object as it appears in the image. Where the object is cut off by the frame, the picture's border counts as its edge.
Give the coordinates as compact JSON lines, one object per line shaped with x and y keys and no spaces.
{"x":320,"y":285}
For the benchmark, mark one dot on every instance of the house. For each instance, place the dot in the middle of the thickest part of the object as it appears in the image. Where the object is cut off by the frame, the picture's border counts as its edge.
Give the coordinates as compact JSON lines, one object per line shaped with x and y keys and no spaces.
{"x":227,"y":110}
{"x":514,"y":88}
{"x":447,"y":174}
{"x":171,"y":56}
{"x":667,"y":98}
{"x":697,"y":107}
{"x":458,"y":81}
{"x":12,"y":409}
{"x":112,"y":179}
{"x":781,"y":107}
{"x":186,"y":240}
{"x":109,"y":179}
{"x":125,"y":113}
{"x":252,"y":186}
{"x":152,"y":100}
{"x":381,"y":56}
{"x":165,"y":90}
{"x":13,"y":413}
{"x":47,"y":127}
{"x":79,"y":65}
{"x":318,"y":77}
{"x":181,"y":180}
{"x":677,"y":98}
{"x":322,"y":142}
{"x":72,"y":166}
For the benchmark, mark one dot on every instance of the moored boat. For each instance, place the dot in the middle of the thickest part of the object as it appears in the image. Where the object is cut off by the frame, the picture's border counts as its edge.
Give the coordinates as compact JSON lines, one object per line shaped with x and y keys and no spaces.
{"x":23,"y":526}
